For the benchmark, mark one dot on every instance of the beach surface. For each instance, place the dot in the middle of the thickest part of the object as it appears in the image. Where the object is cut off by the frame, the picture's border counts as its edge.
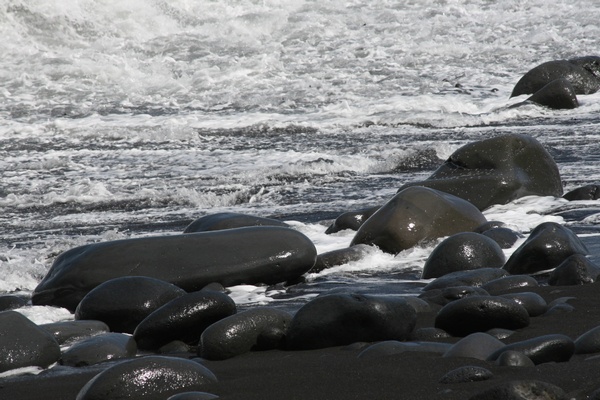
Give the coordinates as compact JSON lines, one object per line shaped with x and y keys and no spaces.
{"x":338,"y":373}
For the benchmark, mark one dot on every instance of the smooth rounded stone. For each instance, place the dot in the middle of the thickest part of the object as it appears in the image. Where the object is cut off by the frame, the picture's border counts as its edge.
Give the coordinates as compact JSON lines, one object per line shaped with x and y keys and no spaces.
{"x":342,"y":319}
{"x":351,"y":220}
{"x":479,"y":314}
{"x":420,"y":305}
{"x":228,"y":220}
{"x":575,"y":270}
{"x":263,"y":254}
{"x":500,"y":333}
{"x":122,"y":303}
{"x":339,"y":257}
{"x":477,"y":345}
{"x":521,"y":390}
{"x":183,"y":318}
{"x":66,"y":332}
{"x":176,"y":346}
{"x":11,"y":302}
{"x":497,"y":171}
{"x":578,"y":71}
{"x":215,"y":287}
{"x":588,"y":342}
{"x":463,"y":251}
{"x":563,"y":308}
{"x":150,"y":378}
{"x":97,"y":349}
{"x":512,"y":358}
{"x":468,"y":373}
{"x":428,"y":334}
{"x":261,"y":328}
{"x":505,"y":283}
{"x":193,"y":396}
{"x":417,"y":215}
{"x":24,"y":344}
{"x":475,"y":277}
{"x":561,"y":300}
{"x":587,"y":192}
{"x":449,"y":294}
{"x":532,"y":302}
{"x":505,"y":237}
{"x":390,"y":347}
{"x":548,"y":245}
{"x":542,"y":349}
{"x":558,"y":95}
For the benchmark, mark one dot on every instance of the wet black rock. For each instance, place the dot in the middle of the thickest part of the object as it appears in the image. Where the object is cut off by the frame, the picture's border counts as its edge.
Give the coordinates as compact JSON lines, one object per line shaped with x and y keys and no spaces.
{"x":446,"y":295}
{"x":477,"y":345}
{"x":183,"y":318}
{"x":548,"y":245}
{"x":122,"y":303}
{"x":505,"y":283}
{"x":24,"y":344}
{"x":97,"y":349}
{"x":542,"y":349}
{"x":476,"y":277}
{"x":342,"y":319}
{"x":575,"y":270}
{"x":532,"y":302}
{"x":150,"y":378}
{"x":479,"y":314}
{"x":261,"y":328}
{"x":66,"y":332}
{"x":228,"y":220}
{"x":463,"y":251}
{"x":351,"y":220}
{"x":587,"y":192}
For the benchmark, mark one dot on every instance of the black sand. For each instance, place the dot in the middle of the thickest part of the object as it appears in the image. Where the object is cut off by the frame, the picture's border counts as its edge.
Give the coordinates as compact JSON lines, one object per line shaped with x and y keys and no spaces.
{"x":337,"y":373}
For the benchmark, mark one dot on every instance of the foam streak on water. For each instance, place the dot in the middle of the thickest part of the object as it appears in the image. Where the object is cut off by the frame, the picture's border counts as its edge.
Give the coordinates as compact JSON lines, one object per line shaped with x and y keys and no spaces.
{"x":127,"y":118}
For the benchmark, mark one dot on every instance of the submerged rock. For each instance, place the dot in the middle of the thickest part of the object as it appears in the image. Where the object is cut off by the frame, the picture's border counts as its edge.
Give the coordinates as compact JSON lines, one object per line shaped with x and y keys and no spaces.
{"x":497,"y":171}
{"x":582,"y":73}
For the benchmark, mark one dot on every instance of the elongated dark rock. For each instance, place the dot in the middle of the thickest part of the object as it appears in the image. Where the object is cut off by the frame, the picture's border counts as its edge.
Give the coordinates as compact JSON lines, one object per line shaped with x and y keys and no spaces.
{"x":479,"y":314}
{"x":342,"y":319}
{"x":542,"y":349}
{"x":184,"y":319}
{"x":245,"y":255}
{"x":227,"y":220}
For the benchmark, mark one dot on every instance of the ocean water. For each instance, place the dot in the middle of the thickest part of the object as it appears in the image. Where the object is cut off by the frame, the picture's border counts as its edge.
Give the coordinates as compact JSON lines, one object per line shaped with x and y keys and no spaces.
{"x":130,"y":118}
